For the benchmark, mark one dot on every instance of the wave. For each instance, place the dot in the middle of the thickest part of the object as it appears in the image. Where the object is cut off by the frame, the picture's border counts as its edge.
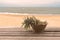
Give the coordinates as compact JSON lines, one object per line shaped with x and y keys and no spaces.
{"x":24,"y":13}
{"x":14,"y":13}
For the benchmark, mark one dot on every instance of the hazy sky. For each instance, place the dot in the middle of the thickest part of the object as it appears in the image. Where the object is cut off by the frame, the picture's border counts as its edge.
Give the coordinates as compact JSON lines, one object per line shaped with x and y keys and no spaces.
{"x":29,"y":3}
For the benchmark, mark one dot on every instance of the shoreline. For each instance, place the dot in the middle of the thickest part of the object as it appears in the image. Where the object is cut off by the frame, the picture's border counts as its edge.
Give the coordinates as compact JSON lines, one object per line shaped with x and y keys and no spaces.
{"x":25,"y":13}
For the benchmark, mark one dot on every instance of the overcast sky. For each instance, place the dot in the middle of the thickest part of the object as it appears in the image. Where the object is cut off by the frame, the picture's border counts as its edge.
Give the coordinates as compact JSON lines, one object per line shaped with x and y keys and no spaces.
{"x":29,"y":3}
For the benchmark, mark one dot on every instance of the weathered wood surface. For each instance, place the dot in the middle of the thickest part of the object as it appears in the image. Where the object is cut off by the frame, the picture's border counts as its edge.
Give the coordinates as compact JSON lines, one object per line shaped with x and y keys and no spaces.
{"x":21,"y":34}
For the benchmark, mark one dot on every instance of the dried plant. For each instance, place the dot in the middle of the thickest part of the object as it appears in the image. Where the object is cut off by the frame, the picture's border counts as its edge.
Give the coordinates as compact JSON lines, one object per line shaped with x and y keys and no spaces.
{"x":33,"y":22}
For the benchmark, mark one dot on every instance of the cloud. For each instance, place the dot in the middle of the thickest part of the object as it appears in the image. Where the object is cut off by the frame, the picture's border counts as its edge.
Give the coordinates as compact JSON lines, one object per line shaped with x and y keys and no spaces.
{"x":27,"y":2}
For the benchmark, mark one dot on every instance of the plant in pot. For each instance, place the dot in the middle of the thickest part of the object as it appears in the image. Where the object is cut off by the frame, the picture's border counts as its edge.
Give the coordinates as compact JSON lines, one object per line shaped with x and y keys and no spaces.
{"x":37,"y":25}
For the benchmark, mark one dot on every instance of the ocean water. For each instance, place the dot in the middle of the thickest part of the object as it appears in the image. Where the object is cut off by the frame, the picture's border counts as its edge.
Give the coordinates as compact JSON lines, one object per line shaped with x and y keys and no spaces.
{"x":31,"y":10}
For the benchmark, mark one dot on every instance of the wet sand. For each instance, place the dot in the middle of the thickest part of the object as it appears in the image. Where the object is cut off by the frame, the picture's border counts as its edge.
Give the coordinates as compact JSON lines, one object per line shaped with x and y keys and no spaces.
{"x":9,"y":20}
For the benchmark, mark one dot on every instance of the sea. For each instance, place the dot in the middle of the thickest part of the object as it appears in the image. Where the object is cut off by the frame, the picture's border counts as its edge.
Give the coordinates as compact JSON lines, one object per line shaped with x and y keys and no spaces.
{"x":30,"y":10}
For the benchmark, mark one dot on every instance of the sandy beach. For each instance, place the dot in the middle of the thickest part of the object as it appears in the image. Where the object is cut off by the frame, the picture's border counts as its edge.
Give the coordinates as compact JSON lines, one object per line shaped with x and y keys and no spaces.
{"x":12,"y":20}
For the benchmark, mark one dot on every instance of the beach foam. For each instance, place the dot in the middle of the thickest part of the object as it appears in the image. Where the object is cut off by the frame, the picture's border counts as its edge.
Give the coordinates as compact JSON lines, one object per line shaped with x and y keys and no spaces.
{"x":14,"y":13}
{"x":24,"y":13}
